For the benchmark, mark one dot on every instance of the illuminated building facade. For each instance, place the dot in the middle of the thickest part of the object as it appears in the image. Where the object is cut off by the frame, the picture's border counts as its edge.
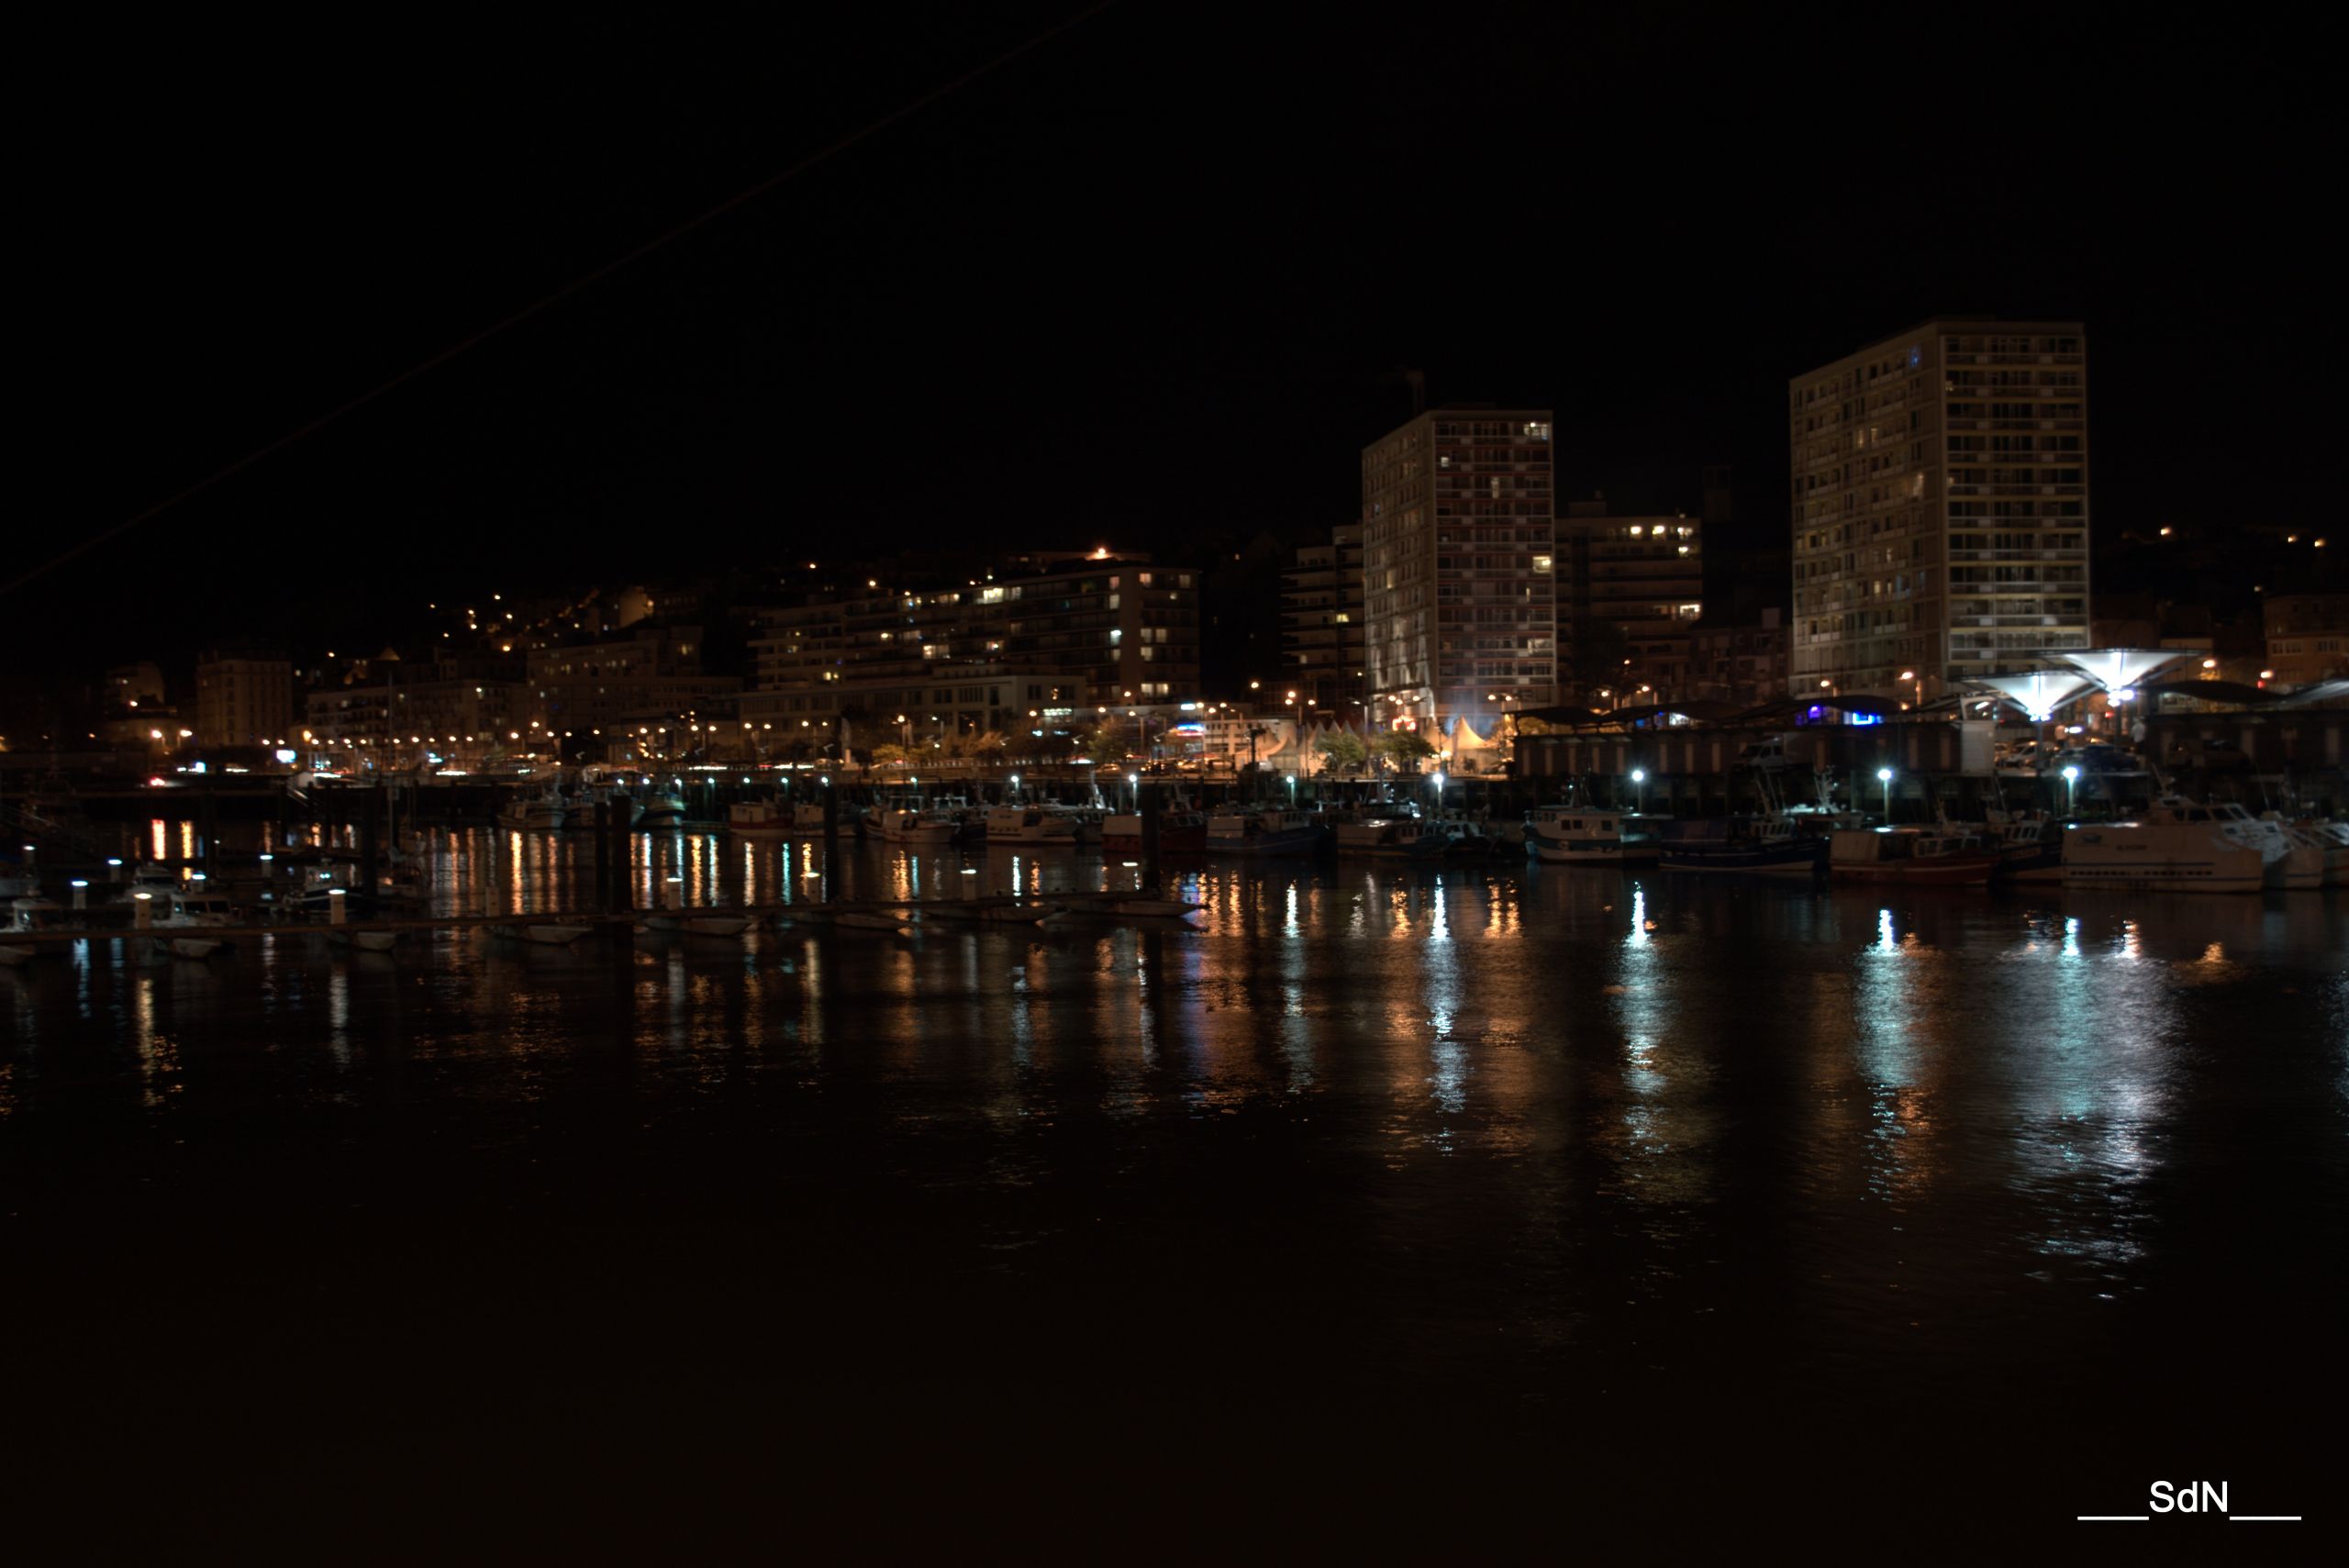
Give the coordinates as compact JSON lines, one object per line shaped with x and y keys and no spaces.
{"x":1941,"y":506}
{"x":1321,"y":627}
{"x":1636,"y":588}
{"x":1103,"y":628}
{"x":1459,"y":567}
{"x":244,"y":699}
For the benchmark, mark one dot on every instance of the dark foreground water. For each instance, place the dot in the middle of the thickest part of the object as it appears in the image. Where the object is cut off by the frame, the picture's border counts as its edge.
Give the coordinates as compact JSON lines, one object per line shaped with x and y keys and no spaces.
{"x":1426,"y":1205}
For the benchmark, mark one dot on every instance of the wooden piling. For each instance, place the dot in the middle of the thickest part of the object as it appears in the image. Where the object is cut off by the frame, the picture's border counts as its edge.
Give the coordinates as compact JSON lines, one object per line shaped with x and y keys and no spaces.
{"x":1150,"y":813}
{"x":600,"y":837}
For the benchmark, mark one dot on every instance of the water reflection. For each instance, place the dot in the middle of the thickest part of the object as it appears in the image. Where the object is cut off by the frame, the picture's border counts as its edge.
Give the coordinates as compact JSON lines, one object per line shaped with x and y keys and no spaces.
{"x":1597,"y":1075}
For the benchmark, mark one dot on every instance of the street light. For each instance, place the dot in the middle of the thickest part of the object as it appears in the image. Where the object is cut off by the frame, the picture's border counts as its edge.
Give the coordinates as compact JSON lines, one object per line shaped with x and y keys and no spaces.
{"x":2071,"y":789}
{"x":1640,"y":781}
{"x":1883,"y":777}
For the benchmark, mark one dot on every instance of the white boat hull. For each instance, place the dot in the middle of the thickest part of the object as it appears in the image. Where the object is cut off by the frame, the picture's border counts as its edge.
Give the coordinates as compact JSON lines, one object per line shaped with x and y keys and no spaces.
{"x":2162,"y":859}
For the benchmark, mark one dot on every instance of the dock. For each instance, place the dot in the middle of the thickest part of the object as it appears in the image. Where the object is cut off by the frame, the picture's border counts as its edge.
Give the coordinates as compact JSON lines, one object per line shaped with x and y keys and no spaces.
{"x":621,"y":925}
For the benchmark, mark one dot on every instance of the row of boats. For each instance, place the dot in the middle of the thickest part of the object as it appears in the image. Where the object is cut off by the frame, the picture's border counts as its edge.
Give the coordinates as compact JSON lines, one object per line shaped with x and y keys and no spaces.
{"x":556,"y":810}
{"x":2173,"y":846}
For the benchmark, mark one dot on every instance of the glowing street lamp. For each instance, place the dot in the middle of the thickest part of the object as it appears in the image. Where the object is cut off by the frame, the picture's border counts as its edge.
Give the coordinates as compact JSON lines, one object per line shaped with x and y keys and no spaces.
{"x":2071,"y":789}
{"x":1883,"y":777}
{"x":1640,"y":783}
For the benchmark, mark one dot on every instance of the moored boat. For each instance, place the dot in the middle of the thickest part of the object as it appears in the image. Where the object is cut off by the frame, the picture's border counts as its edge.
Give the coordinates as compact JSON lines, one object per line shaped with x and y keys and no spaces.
{"x":1031,"y":826}
{"x":1775,"y":846}
{"x":27,"y":915}
{"x":1274,"y":832}
{"x":906,"y":825}
{"x":2172,"y":847}
{"x":1409,"y":839}
{"x":1581,"y":835}
{"x":661,"y":811}
{"x":1931,"y":856}
{"x":1183,"y":832}
{"x":533,"y":814}
{"x":758,"y":820}
{"x":176,"y":928}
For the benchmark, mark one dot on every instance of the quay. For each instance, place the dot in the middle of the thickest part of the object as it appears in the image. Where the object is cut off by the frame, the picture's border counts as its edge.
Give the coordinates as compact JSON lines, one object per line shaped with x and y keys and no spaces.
{"x":621,"y":925}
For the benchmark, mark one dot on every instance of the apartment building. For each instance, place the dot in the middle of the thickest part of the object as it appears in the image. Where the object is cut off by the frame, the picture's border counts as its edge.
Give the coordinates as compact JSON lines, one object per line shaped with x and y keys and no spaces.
{"x":1322,"y":627}
{"x":1941,"y":505}
{"x":1632,"y":592}
{"x":1459,"y":567}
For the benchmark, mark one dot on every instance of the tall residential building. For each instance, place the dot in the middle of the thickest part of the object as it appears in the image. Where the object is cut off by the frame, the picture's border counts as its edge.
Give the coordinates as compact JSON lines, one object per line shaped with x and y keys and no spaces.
{"x":244,"y":699}
{"x":1635,"y":587}
{"x":1941,"y":506}
{"x":1321,"y":627}
{"x":1459,"y":581}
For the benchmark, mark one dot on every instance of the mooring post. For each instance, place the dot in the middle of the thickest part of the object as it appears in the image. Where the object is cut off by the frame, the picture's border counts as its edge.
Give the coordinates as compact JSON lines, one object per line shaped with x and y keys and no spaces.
{"x":623,"y":858}
{"x":1150,"y":813}
{"x":370,"y":832}
{"x":601,"y":842}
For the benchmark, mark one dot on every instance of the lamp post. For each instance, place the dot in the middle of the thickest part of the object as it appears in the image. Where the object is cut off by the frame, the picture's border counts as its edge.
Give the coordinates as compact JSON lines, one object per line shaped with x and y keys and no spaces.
{"x":1883,"y":777}
{"x":1640,"y":783}
{"x":2071,"y":789}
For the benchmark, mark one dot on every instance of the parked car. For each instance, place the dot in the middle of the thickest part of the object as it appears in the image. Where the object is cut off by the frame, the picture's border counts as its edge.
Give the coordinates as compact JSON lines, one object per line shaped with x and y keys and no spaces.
{"x":2096,"y":760}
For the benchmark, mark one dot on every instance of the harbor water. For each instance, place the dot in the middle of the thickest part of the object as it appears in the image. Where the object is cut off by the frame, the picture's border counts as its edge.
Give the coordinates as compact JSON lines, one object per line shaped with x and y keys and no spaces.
{"x":1618,"y":1200}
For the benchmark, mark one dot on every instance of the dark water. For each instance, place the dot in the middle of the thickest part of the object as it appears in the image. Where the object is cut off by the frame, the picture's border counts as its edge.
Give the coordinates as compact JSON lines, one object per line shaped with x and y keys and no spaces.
{"x":1397,"y":1199}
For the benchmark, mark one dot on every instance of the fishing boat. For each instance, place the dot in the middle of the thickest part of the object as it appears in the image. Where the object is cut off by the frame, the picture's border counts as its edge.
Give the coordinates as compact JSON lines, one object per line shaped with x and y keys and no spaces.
{"x":1087,"y":821}
{"x":856,"y":920}
{"x":1926,"y":856}
{"x":1409,"y":839}
{"x":2334,"y":837}
{"x":579,"y":808}
{"x":906,"y":825}
{"x":758,"y":820}
{"x":175,"y":930}
{"x":541,"y":812}
{"x":1031,"y":826}
{"x":1180,"y":832}
{"x":1583,"y":835}
{"x":1775,"y":846}
{"x":2172,"y":847}
{"x":2030,"y":849}
{"x":1263,"y":833}
{"x":27,"y":915}
{"x":661,"y":811}
{"x":2311,"y":859}
{"x":1361,"y":832}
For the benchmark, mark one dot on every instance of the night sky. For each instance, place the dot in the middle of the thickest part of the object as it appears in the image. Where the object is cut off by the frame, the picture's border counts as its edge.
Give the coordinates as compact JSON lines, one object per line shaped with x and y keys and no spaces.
{"x":1152,"y":283}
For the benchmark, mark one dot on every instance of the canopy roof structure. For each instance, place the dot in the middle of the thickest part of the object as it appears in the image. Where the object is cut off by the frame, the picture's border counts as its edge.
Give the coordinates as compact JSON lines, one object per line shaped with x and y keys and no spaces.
{"x":2117,"y":669}
{"x":2038,"y":692}
{"x":2214,"y":691}
{"x":1466,"y":739}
